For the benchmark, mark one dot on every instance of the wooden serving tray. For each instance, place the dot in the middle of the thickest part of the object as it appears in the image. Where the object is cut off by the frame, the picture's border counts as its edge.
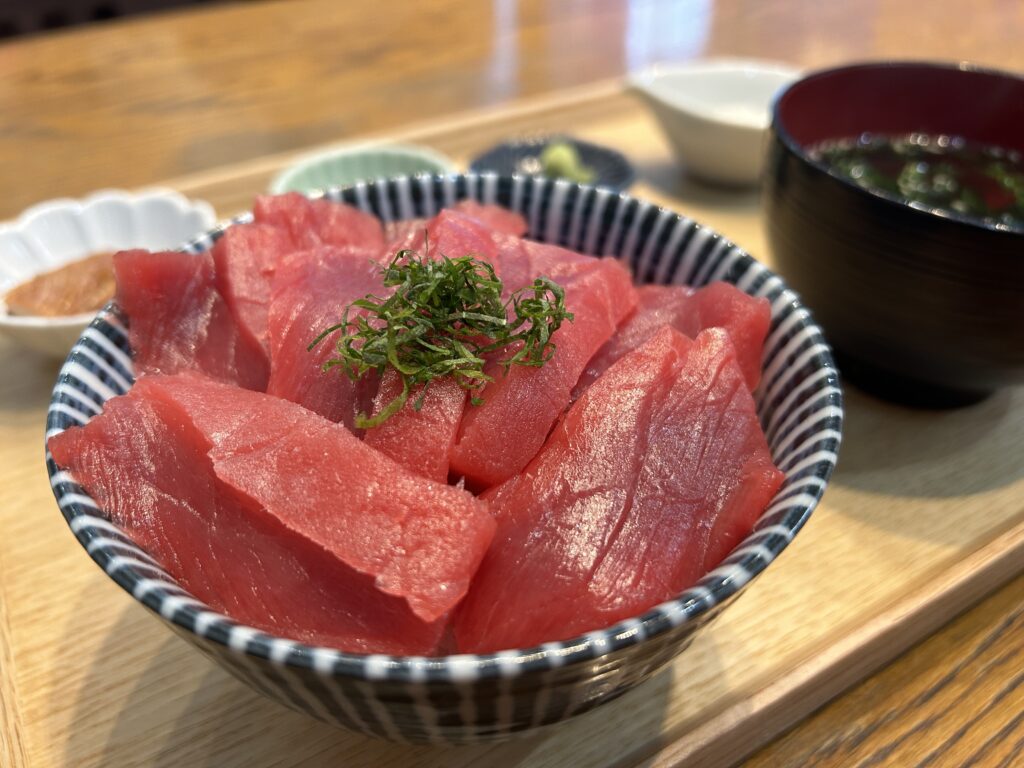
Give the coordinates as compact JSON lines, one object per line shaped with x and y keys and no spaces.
{"x":924,"y":516}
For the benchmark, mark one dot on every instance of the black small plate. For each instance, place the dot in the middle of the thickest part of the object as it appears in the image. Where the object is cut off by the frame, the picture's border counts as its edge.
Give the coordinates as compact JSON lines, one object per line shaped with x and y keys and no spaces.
{"x":611,"y":168}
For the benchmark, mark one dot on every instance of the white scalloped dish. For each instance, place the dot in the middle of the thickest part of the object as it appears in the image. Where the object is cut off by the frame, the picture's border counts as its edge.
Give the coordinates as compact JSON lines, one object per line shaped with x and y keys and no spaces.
{"x":54,"y":233}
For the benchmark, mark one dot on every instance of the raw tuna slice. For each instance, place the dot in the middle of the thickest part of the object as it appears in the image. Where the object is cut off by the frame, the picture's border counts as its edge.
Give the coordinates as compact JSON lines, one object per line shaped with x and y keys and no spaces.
{"x":745,"y":318}
{"x":311,"y":290}
{"x":484,"y":232}
{"x":339,"y":224}
{"x":499,"y":437}
{"x":315,"y":222}
{"x":420,"y":440}
{"x":245,"y":258}
{"x":420,"y":540}
{"x":403,"y":236}
{"x":456,"y":234}
{"x":148,"y":468}
{"x":494,"y":216}
{"x":178,"y":321}
{"x":718,"y":305}
{"x":651,"y":478}
{"x":486,"y":219}
{"x":450,"y":233}
{"x":520,"y":262}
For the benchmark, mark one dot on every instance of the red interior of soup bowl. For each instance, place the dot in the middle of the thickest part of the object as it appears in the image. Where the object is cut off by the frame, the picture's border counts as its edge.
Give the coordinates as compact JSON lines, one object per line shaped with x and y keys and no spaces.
{"x":900,"y":98}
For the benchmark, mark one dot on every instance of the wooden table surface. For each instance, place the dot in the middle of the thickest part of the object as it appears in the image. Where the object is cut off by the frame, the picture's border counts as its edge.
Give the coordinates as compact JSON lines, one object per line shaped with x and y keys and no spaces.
{"x":130,"y":103}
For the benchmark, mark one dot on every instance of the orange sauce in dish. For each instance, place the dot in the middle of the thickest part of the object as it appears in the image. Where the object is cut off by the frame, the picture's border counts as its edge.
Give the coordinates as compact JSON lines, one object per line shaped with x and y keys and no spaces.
{"x":81,"y":286}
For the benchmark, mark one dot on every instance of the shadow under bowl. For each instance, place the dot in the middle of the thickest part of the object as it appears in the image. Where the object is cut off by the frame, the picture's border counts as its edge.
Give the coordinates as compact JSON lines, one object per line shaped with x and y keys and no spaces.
{"x":922,"y":307}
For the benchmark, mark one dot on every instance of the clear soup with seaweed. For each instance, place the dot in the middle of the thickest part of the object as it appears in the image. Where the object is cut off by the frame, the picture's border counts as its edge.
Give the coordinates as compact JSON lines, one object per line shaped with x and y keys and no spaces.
{"x":980,"y":182}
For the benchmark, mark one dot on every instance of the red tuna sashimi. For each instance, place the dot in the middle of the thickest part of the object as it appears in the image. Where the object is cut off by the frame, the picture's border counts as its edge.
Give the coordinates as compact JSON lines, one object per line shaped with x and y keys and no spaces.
{"x":450,"y":233}
{"x":245,"y":258}
{"x":148,"y":468}
{"x":455,"y":234}
{"x":340,"y":224}
{"x":420,"y":540}
{"x":494,"y":216}
{"x":178,"y":321}
{"x":499,"y":437}
{"x":718,"y":305}
{"x":520,"y":262}
{"x":404,"y":235}
{"x":651,"y":478}
{"x":486,"y":219}
{"x":420,"y":440}
{"x":310,"y":292}
{"x":316,"y":222}
{"x":744,"y":317}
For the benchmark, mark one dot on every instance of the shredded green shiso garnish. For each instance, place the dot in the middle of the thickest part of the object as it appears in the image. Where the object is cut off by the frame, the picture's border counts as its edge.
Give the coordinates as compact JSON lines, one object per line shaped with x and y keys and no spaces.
{"x":444,"y":316}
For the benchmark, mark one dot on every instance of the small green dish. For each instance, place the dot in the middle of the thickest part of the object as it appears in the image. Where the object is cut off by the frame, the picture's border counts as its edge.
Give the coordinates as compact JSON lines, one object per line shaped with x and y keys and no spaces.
{"x":365,"y":162}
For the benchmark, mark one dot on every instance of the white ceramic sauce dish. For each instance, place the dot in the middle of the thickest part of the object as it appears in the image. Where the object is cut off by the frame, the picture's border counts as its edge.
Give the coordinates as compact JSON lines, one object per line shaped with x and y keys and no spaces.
{"x":715,"y":113}
{"x":54,"y":233}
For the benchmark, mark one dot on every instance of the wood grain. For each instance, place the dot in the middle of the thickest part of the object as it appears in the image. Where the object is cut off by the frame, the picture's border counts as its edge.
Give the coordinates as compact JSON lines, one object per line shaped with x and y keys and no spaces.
{"x":12,"y":751}
{"x":848,"y":659}
{"x":134,"y":101}
{"x":924,"y":711}
{"x":926,"y":511}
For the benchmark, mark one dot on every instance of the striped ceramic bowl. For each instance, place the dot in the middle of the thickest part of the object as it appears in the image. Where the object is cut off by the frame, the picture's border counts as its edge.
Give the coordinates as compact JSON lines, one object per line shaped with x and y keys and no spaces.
{"x":470,"y":698}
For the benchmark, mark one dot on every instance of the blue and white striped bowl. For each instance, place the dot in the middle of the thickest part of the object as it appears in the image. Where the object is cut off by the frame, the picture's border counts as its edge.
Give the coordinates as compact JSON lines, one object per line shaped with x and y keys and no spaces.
{"x":471,"y":698}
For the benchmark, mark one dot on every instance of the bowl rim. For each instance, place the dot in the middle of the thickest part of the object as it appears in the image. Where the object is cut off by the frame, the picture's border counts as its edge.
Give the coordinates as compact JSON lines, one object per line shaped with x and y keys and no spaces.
{"x":79,"y":204}
{"x":42,"y":321}
{"x":926,"y":212}
{"x":279,"y":184}
{"x":643,"y":79}
{"x":146,"y":581}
